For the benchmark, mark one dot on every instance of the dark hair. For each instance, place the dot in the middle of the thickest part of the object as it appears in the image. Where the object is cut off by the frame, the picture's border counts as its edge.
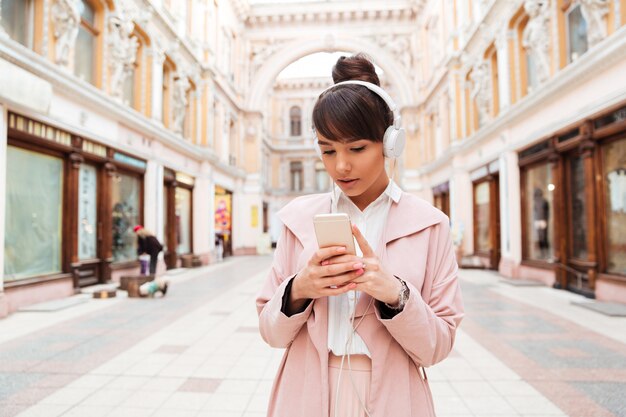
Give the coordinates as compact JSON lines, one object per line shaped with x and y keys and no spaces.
{"x":352,"y":112}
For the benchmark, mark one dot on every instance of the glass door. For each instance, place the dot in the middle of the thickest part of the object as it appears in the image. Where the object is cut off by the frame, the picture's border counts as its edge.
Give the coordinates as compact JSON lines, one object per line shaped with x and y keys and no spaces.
{"x":578,"y":264}
{"x":88,"y":226}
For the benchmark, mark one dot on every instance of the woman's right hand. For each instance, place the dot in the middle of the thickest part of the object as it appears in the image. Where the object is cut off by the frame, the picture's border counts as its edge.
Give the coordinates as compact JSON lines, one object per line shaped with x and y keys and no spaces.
{"x":319,"y":280}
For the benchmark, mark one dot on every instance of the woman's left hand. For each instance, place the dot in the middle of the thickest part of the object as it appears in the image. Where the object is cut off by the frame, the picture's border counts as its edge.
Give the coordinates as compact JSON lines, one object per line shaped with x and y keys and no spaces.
{"x":376,"y":282}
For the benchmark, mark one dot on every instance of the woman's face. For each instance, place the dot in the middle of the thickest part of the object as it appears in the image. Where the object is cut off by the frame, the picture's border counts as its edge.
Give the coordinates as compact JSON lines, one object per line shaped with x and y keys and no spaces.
{"x":358,"y":168}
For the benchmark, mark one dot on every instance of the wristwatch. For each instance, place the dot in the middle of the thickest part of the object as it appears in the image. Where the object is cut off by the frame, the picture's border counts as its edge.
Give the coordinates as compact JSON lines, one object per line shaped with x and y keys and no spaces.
{"x":403,"y":297}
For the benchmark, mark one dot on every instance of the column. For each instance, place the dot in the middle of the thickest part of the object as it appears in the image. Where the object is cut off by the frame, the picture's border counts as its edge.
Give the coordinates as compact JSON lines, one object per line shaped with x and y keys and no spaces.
{"x":210,"y":131}
{"x":152,"y":189}
{"x":197,"y":96}
{"x":510,"y":213}
{"x":309,"y":175}
{"x":283,"y":179}
{"x":202,"y":213}
{"x":3,"y":171}
{"x":3,"y":33}
{"x":462,"y":208}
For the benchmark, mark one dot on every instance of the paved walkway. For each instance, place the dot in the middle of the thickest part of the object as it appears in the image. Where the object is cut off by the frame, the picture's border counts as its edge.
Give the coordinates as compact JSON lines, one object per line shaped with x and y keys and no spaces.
{"x":521,"y":351}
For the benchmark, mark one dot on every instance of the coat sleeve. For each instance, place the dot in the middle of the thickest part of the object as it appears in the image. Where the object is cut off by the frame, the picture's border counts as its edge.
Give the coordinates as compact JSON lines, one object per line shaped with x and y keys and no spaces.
{"x":277,"y":329}
{"x":426,"y":327}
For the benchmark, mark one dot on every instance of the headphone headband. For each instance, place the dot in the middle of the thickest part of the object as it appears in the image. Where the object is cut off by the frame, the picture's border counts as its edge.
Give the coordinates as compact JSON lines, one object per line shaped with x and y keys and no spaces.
{"x":378,"y":91}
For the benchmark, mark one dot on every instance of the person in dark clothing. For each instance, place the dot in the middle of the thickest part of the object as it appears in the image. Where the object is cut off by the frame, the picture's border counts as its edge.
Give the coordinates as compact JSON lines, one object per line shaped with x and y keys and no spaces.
{"x":148,"y":243}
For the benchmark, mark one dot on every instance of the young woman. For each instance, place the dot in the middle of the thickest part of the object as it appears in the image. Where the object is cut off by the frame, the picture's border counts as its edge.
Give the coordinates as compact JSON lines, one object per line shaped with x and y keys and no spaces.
{"x":359,"y":330}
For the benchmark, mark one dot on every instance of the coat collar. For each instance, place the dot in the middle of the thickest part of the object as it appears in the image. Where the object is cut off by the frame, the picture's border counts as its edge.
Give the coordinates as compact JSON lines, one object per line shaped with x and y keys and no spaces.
{"x":409,"y":215}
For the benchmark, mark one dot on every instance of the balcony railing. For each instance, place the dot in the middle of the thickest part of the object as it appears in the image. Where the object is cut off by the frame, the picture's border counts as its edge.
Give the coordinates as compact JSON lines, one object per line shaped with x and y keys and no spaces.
{"x":289,"y":143}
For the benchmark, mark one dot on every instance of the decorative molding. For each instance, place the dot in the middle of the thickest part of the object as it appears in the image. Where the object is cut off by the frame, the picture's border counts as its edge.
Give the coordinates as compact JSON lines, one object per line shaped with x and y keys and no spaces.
{"x":122,"y":49}
{"x":481,"y":90}
{"x":66,"y":19}
{"x":536,"y":36}
{"x":595,"y":12}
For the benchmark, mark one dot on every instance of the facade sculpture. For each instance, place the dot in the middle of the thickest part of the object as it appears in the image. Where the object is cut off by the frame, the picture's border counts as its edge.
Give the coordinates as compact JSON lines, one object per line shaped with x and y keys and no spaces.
{"x":181,"y":87}
{"x":122,"y":52}
{"x":481,"y":90}
{"x":66,"y":18}
{"x":536,"y":37}
{"x":594,"y":12}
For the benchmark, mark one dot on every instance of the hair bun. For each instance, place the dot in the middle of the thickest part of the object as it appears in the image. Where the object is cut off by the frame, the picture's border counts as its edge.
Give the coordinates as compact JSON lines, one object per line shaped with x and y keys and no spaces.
{"x":355,"y":67}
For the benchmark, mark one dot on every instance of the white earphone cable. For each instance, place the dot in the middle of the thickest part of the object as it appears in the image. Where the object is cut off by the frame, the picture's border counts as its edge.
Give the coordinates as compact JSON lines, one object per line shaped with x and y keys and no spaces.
{"x":348,"y":344}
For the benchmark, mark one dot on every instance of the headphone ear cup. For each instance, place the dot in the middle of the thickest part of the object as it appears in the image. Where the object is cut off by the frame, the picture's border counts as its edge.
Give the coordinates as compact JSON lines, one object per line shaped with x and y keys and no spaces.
{"x":393,"y":142}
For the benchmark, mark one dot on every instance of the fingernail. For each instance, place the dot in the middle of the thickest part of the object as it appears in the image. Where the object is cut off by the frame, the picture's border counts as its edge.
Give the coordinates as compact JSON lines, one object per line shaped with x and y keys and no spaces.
{"x":325,"y":263}
{"x":357,"y":265}
{"x":341,"y":249}
{"x":360,"y":271}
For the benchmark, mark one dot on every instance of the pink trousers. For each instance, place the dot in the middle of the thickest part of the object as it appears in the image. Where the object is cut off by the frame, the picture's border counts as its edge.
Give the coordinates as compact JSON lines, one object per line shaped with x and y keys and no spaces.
{"x":352,"y":382}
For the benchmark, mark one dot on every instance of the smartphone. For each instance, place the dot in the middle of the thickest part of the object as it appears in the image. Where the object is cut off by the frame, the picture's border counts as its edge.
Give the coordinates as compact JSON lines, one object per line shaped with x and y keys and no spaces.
{"x":334,"y":230}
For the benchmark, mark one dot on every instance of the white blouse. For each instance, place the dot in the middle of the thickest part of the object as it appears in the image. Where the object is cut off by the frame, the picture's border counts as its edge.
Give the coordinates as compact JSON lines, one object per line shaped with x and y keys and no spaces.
{"x":371,"y":223}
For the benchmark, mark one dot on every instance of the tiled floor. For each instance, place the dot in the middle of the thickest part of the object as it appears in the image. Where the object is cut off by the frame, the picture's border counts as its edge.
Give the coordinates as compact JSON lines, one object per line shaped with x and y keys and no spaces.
{"x":521,"y":351}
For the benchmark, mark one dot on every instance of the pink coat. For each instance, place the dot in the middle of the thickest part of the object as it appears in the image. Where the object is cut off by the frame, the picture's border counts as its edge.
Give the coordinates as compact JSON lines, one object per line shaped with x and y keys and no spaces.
{"x":419,"y":250}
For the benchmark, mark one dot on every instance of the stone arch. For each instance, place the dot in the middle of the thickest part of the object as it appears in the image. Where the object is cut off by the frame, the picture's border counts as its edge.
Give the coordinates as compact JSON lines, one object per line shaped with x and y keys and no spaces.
{"x":292,"y":51}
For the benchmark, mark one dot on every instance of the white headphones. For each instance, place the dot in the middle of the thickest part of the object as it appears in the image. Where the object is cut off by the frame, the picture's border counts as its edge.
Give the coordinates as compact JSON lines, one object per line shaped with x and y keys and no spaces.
{"x":395,"y":136}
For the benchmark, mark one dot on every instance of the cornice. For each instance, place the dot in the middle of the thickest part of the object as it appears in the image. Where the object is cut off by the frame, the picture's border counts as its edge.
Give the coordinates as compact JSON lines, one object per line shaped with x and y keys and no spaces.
{"x":97,"y":101}
{"x":603,"y":55}
{"x":324,"y":12}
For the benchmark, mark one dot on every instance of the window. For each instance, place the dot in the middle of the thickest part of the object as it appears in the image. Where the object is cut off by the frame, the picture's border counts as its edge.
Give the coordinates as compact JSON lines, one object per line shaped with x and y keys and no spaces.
{"x":321,"y":177}
{"x":168,"y":85}
{"x":615,"y":177}
{"x":295,"y":119}
{"x":34,"y":206}
{"x":133,"y":90}
{"x":578,"y":207}
{"x":538,"y":206}
{"x":296,"y":176}
{"x":183,"y":220}
{"x":16,"y":19}
{"x":86,"y":45}
{"x":491,"y":56}
{"x":576,"y":34}
{"x":125,"y":203}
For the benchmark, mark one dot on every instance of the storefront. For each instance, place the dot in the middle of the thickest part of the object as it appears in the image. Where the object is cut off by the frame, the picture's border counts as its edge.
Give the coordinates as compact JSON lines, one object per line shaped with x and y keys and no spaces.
{"x":223,"y":220}
{"x":178,"y":217}
{"x":574,"y":204}
{"x":71,"y":205}
{"x":486,"y":197}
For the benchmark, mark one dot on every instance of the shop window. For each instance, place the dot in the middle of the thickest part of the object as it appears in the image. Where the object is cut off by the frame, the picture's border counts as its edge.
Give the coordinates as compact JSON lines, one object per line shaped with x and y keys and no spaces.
{"x":86,"y":43}
{"x":17,"y":20}
{"x":482,"y":217}
{"x":296,"y":176}
{"x":615,"y":177}
{"x":295,"y":121}
{"x":538,"y":206}
{"x":34,"y":207}
{"x":125,"y":200}
{"x":183,"y":220}
{"x":576,"y":34}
